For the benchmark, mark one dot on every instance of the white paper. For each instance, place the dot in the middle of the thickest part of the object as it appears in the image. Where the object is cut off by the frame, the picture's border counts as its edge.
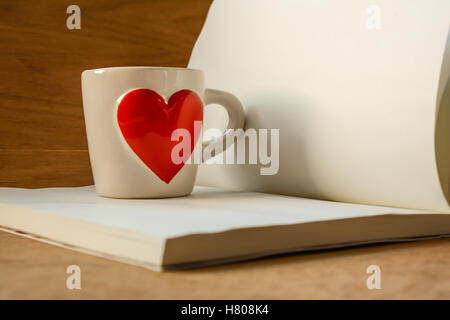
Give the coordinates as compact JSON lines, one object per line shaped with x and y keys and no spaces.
{"x":207,"y":210}
{"x":356,"y":103}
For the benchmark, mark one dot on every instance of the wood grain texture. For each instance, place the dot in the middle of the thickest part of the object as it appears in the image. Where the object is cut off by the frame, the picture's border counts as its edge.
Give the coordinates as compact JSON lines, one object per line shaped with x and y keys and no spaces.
{"x":30,"y":270}
{"x":41,"y":62}
{"x":30,"y":168}
{"x":43,"y":143}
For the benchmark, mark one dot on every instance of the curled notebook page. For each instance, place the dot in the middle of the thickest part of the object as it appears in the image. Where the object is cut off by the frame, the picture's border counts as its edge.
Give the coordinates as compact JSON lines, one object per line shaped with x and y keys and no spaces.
{"x":362,"y":105}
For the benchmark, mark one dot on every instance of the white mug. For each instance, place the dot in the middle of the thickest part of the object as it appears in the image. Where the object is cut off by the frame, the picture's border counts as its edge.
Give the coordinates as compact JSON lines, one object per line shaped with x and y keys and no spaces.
{"x":132,"y":116}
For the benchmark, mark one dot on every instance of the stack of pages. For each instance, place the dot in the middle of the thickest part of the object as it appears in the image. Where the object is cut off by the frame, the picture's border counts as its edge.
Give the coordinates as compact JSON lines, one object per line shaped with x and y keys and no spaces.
{"x":208,"y":227}
{"x":360,"y":94}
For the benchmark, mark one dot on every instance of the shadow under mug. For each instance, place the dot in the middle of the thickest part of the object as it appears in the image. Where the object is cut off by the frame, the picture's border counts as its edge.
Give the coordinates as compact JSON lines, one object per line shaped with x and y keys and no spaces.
{"x":130,"y":113}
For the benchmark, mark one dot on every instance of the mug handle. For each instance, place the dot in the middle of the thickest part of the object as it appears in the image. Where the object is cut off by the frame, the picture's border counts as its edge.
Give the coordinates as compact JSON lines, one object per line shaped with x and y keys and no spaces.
{"x":236,"y":119}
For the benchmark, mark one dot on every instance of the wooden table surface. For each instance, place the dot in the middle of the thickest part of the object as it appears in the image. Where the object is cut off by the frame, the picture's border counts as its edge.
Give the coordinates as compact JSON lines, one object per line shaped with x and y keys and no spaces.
{"x":43,"y":144}
{"x":417,"y":270}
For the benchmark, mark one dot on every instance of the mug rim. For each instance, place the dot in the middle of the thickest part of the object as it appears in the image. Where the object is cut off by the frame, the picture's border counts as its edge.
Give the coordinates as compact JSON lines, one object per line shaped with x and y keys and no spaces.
{"x":102,"y":70}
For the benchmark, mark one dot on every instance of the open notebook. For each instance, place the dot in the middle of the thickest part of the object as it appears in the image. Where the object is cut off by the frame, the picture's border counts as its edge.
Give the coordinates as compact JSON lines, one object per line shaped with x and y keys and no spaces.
{"x":208,"y":227}
{"x":361,"y":95}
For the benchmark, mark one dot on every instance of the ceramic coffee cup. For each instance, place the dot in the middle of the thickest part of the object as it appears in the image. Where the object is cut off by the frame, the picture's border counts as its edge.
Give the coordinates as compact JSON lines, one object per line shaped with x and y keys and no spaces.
{"x":144,"y":127}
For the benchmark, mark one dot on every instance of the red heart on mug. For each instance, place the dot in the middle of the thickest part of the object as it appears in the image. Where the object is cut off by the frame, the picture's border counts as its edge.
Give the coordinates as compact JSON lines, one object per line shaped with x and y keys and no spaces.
{"x":147,"y":123}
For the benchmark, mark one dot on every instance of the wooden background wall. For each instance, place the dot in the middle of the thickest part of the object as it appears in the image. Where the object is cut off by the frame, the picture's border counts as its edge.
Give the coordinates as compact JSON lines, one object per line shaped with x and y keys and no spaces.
{"x":42,"y":134}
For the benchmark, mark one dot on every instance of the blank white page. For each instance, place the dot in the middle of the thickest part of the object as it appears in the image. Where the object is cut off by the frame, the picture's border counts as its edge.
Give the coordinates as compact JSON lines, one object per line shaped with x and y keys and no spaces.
{"x":362,"y":111}
{"x":207,"y":210}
